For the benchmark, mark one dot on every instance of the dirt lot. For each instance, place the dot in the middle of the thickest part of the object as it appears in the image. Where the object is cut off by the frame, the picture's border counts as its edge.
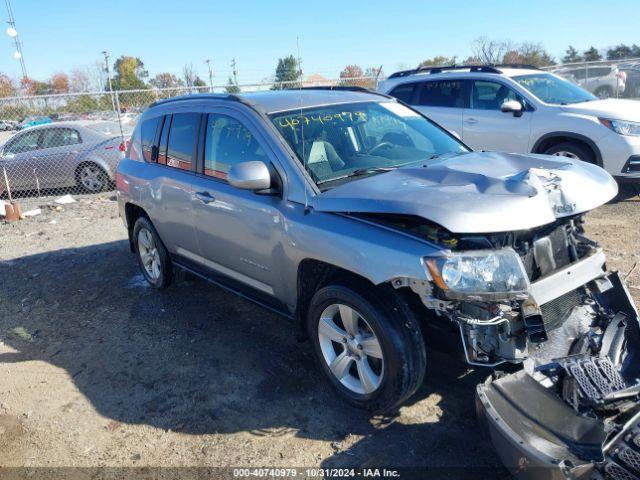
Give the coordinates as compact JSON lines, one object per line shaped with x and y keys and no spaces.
{"x":96,"y":369}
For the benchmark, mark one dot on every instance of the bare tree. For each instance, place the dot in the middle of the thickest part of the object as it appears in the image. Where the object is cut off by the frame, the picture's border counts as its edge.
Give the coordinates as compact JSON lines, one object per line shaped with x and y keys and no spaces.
{"x":490,"y":51}
{"x":189,"y":74}
{"x":79,"y":81}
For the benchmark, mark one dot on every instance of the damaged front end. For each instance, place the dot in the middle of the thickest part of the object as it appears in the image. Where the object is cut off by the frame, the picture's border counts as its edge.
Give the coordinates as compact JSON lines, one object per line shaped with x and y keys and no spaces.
{"x":543,"y":299}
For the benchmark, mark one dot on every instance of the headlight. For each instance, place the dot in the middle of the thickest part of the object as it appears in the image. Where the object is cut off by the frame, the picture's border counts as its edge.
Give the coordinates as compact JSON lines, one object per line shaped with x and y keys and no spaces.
{"x":480,"y":275}
{"x":622,"y":127}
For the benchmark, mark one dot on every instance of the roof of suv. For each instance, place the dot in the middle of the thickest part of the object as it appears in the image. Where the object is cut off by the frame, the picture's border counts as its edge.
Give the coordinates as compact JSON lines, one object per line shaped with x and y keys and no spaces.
{"x":283,"y":100}
{"x":465,"y":70}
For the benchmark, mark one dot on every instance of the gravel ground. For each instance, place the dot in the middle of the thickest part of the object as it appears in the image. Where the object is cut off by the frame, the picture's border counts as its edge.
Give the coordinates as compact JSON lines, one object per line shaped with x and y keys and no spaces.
{"x":96,"y":369}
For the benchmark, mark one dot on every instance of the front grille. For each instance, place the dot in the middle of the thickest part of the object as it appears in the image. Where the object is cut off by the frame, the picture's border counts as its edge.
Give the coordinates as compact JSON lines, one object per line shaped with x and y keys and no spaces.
{"x":557,"y":310}
{"x":622,"y":461}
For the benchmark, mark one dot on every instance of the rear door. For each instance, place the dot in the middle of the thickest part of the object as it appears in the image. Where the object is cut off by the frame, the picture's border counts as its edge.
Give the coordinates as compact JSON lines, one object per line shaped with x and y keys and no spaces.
{"x":171,"y":178}
{"x":486,"y":127}
{"x":54,"y":163}
{"x":443,"y":101}
{"x":238,"y":230}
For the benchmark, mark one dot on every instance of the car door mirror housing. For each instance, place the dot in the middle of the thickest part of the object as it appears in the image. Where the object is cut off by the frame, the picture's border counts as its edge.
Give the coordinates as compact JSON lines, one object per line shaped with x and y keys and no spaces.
{"x":253,"y":175}
{"x":512,"y":106}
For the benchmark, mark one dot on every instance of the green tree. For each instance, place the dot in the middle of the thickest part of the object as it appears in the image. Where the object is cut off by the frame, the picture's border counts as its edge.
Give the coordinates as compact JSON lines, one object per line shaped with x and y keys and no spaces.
{"x":571,"y":56}
{"x":619,"y":52}
{"x":129,"y":73}
{"x":231,"y":87}
{"x":287,"y":73}
{"x":166,"y":80}
{"x":198,"y":82}
{"x":437,"y":61}
{"x":592,"y":55}
{"x":529,"y":54}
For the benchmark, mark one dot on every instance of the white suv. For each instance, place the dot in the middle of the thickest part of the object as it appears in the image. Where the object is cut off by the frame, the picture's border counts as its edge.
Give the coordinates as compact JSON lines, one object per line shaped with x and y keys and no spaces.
{"x":522,"y":110}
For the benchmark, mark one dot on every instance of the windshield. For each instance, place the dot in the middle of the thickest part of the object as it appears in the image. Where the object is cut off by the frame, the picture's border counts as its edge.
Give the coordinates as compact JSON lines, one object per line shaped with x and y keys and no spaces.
{"x":552,"y":89}
{"x":341,"y":142}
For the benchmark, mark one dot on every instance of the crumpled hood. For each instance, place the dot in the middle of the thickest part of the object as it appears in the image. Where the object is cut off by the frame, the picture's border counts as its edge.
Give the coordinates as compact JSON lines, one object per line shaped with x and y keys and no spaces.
{"x":611,"y":108}
{"x":478,"y":192}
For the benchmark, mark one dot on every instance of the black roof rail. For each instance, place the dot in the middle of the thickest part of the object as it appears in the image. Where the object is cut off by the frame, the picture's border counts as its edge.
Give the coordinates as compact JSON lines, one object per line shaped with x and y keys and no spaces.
{"x":517,"y":65}
{"x":198,"y":96}
{"x":441,"y":68}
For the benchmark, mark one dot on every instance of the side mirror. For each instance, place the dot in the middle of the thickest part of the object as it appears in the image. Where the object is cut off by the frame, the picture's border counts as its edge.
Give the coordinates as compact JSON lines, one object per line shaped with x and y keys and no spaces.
{"x":512,"y":106}
{"x":250,"y":176}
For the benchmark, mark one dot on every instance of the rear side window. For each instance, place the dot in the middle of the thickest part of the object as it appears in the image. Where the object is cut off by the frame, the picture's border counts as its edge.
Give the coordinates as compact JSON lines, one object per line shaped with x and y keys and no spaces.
{"x":181,"y":144}
{"x":148,"y":137}
{"x":404,"y":92}
{"x":442,"y":93}
{"x":60,"y":137}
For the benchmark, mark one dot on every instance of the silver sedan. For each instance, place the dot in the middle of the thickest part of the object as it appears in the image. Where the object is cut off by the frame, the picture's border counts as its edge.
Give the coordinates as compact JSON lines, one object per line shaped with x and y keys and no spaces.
{"x":80,"y":154}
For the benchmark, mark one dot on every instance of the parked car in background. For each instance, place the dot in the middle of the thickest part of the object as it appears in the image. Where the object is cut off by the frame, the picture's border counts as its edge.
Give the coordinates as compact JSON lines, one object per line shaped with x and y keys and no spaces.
{"x":525,"y":110}
{"x":63,"y":154}
{"x":33,"y":121}
{"x":8,"y":125}
{"x":632,"y":89}
{"x":604,"y":81}
{"x":373,"y":229}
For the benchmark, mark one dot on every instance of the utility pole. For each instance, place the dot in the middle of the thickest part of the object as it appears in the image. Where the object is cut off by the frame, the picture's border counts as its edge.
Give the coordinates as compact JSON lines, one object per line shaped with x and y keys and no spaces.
{"x":208,"y":62}
{"x":234,"y":71}
{"x":115,"y":102}
{"x":299,"y":59}
{"x":12,"y":32}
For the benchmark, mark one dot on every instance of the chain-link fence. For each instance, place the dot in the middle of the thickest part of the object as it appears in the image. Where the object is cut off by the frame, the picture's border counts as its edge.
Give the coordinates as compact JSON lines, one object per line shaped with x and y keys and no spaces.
{"x":605,"y":78}
{"x":56,"y":145}
{"x":53,"y":145}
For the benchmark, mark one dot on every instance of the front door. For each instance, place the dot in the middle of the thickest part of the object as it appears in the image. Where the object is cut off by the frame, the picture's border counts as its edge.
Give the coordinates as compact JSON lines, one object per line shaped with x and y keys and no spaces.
{"x":238,"y":231}
{"x":486,"y":127}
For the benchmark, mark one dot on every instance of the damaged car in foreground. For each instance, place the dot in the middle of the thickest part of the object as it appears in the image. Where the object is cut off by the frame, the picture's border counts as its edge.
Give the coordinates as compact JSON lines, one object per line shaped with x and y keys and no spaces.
{"x":379,"y":233}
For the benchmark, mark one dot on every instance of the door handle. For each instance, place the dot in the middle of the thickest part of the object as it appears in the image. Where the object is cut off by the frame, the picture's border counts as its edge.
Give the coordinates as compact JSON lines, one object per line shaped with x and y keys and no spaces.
{"x":471,"y":121}
{"x":205,"y":197}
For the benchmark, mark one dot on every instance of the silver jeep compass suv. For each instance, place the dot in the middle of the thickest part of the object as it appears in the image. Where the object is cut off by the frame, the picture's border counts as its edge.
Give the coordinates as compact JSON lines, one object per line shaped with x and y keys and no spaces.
{"x":374,"y":230}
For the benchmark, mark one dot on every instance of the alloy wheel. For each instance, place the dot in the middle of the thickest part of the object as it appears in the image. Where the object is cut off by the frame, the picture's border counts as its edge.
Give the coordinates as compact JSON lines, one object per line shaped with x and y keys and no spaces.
{"x":149,"y":254}
{"x":564,"y":153}
{"x":351,"y":349}
{"x":91,"y":178}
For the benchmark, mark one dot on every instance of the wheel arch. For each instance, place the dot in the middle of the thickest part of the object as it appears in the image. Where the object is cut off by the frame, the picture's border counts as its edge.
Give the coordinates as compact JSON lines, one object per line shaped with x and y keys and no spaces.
{"x":550,"y":139}
{"x":314,"y":274}
{"x":132,"y":212}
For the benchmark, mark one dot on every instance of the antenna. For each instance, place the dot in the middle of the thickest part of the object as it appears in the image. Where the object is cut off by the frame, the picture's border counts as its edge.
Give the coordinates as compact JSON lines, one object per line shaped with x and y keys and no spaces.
{"x":304,"y":154}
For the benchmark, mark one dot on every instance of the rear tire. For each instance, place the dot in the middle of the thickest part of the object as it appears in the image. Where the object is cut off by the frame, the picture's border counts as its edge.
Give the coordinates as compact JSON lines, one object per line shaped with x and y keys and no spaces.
{"x":91,"y":178}
{"x":377,"y":359}
{"x":573,"y":150}
{"x":153,"y":257}
{"x":604,"y":92}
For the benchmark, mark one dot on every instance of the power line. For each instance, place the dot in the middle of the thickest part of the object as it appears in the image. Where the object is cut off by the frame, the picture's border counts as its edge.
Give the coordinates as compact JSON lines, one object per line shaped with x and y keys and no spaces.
{"x":14,"y":33}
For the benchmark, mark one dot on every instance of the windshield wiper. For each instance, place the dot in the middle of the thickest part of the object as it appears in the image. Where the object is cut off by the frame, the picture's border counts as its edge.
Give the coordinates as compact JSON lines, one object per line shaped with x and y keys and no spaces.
{"x":357,"y":173}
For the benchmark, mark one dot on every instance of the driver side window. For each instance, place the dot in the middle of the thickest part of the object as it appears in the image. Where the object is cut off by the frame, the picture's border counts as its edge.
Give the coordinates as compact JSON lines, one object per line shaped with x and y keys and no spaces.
{"x":491,"y":95}
{"x":24,"y":143}
{"x":228,"y":142}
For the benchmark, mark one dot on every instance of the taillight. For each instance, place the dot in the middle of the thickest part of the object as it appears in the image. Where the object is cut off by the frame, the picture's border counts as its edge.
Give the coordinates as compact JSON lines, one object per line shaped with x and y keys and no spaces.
{"x":622,"y":76}
{"x":122,"y":183}
{"x":123,"y":146}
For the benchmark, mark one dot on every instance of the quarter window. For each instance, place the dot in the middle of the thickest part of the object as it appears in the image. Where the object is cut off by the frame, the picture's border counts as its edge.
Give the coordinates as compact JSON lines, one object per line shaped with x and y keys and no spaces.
{"x":148,"y":134}
{"x":442,"y":93}
{"x":182,"y":140}
{"x":228,"y":142}
{"x":491,"y":95}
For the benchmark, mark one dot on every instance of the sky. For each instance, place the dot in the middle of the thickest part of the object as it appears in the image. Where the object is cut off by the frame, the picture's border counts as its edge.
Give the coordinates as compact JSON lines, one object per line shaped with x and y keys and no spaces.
{"x":64,"y":34}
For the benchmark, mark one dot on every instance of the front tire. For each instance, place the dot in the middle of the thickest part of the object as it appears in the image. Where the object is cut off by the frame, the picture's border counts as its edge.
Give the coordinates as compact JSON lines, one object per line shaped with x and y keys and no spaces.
{"x":604,"y":92}
{"x":153,"y":257}
{"x":572,"y":150}
{"x":369,"y":346}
